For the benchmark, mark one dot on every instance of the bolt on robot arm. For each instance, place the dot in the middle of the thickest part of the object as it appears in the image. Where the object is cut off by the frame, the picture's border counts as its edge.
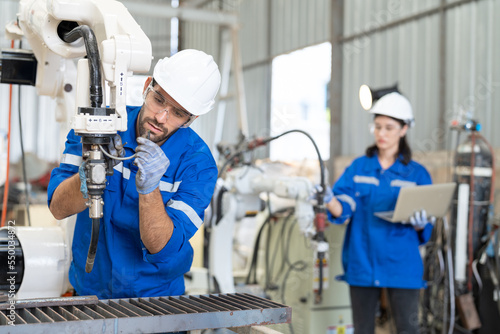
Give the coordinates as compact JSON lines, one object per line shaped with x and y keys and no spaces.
{"x":105,"y":33}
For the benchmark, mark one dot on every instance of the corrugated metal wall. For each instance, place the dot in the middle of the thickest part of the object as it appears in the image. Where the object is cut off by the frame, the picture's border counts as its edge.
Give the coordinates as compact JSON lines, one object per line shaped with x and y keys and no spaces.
{"x":268,"y":28}
{"x":473,"y":63}
{"x":408,"y":52}
{"x":407,"y":55}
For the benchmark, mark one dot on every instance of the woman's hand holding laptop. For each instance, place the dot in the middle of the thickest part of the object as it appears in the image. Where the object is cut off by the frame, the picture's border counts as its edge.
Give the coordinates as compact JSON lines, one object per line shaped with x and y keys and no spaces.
{"x":419,"y":219}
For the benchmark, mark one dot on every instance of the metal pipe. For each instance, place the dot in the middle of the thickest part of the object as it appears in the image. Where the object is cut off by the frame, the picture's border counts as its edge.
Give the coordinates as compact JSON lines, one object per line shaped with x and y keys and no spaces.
{"x":336,"y":84}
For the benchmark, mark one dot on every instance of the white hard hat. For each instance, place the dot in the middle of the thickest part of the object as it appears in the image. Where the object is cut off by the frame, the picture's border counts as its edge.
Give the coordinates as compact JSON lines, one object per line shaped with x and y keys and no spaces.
{"x":394,"y":105}
{"x":190,"y":77}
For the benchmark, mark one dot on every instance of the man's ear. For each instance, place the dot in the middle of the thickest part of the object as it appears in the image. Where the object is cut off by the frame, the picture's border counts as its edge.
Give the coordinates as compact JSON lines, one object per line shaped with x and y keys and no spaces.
{"x":146,"y":84}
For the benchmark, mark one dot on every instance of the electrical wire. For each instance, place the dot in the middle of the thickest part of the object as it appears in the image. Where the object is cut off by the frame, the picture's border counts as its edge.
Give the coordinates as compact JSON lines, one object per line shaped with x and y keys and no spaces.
{"x":253,"y":263}
{"x":116,"y":157}
{"x":321,"y":163}
{"x":26,"y":191}
{"x":476,"y":275}
{"x":250,"y":147}
{"x":320,"y":200}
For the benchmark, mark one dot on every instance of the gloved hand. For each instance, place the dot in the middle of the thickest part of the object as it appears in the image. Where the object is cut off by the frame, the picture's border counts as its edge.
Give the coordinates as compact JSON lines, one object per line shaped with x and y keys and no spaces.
{"x":83,"y":180}
{"x":152,"y":164}
{"x":419,"y":220}
{"x":327,"y":196}
{"x":115,"y":148}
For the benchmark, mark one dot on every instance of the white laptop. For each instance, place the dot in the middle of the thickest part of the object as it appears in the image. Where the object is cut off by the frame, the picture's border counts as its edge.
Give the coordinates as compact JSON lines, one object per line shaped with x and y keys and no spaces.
{"x":435,"y":199}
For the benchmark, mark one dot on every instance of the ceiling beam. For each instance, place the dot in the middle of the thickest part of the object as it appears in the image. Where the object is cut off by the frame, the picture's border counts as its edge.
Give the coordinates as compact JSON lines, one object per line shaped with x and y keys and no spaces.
{"x":183,"y":13}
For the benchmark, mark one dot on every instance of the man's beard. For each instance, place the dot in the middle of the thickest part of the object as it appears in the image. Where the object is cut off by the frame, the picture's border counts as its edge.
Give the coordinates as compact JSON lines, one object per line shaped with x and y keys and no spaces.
{"x":154,"y":137}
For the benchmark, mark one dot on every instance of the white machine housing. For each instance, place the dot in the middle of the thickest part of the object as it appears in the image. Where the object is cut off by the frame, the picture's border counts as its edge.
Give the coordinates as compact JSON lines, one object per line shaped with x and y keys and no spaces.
{"x":123,"y":48}
{"x":244,"y":185}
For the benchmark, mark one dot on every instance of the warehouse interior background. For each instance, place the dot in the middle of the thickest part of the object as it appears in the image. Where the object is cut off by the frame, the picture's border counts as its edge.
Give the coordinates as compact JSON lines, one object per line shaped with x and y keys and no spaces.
{"x":298,"y":64}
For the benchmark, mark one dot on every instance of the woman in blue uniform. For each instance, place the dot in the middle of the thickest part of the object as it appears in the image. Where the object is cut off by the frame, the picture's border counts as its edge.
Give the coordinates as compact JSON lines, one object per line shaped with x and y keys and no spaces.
{"x":376,"y":253}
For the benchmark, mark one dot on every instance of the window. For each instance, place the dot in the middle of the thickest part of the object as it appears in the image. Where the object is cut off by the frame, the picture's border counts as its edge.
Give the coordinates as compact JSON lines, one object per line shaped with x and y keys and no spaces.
{"x":299,"y":100}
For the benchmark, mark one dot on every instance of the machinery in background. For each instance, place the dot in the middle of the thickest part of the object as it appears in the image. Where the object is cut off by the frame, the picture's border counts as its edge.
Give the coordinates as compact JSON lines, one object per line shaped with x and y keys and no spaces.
{"x":35,"y":260}
{"x":294,"y":258}
{"x":463,"y":258}
{"x":110,"y":46}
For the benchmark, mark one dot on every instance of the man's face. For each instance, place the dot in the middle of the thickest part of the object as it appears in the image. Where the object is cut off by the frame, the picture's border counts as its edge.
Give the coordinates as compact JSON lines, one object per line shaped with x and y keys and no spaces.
{"x":160,"y":115}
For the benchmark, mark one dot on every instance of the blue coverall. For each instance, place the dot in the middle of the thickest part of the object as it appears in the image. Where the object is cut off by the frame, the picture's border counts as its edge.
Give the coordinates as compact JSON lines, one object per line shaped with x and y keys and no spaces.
{"x":123,"y":266}
{"x":378,"y":253}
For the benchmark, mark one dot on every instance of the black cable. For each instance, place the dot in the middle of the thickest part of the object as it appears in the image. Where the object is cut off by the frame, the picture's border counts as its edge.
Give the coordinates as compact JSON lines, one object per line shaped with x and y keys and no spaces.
{"x":267,"y":140}
{"x":267,"y":283}
{"x":23,"y":157}
{"x":282,"y":245}
{"x":218,"y":213}
{"x":94,"y":238}
{"x":253,"y":262}
{"x":96,"y":99}
{"x":299,"y":265}
{"x":92,"y":49}
{"x":321,"y":163}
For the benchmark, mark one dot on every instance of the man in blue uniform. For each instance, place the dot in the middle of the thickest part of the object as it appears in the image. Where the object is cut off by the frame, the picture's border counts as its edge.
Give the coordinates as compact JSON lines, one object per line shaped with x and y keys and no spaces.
{"x":154,"y":203}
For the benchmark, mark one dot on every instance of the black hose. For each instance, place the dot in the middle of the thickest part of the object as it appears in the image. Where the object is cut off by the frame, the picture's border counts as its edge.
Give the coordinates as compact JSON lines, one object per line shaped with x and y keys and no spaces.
{"x":96,"y":100}
{"x":94,"y":61}
{"x":321,"y":163}
{"x":23,"y":157}
{"x":93,"y":245}
{"x":320,"y":193}
{"x":267,"y":140}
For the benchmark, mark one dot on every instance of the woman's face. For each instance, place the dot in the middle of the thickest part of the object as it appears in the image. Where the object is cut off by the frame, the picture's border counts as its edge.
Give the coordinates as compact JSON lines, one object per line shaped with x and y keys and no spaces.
{"x":387,"y":132}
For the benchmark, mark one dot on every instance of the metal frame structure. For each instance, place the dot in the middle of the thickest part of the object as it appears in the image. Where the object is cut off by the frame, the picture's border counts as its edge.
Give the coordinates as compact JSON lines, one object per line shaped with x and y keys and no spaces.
{"x":140,"y":315}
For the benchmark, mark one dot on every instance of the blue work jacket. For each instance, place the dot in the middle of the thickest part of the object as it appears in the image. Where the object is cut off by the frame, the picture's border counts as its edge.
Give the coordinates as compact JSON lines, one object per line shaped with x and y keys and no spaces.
{"x":377,"y":253}
{"x":123,"y":266}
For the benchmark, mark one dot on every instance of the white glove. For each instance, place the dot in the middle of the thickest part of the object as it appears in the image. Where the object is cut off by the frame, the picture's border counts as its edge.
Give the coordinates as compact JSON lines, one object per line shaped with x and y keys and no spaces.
{"x":419,"y":220}
{"x":115,"y":148}
{"x":327,"y":196}
{"x":152,"y":164}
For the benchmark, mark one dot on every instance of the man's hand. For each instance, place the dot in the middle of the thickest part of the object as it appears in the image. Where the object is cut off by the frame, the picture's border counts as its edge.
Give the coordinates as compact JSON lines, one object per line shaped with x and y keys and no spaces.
{"x":152,"y":164}
{"x":115,"y":148}
{"x":419,"y":220}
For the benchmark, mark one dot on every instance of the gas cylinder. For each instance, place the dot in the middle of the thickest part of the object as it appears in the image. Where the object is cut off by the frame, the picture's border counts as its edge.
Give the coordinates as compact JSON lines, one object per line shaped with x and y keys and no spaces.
{"x":473,"y":167}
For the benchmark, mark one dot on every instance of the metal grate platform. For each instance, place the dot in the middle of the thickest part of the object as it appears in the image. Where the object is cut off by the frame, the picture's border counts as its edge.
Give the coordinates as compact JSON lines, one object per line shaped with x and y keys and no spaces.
{"x":140,"y":315}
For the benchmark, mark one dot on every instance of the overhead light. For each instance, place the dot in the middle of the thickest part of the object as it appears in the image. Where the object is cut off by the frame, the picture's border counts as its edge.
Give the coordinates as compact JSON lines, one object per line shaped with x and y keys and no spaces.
{"x":368,"y":96}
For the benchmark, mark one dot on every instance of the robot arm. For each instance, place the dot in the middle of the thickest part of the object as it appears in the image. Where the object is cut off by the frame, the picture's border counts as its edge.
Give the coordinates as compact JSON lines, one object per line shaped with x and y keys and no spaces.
{"x":114,"y":46}
{"x":123,"y":49}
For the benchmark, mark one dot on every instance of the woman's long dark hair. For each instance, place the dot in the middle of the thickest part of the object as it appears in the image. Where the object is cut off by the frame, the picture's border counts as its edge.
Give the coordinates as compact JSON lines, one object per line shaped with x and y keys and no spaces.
{"x":404,"y":150}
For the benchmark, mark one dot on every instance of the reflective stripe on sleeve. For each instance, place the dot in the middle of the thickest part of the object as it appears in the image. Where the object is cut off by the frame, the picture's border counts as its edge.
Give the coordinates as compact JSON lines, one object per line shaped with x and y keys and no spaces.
{"x":366,"y":179}
{"x":347,"y":199}
{"x":188,"y":211}
{"x":164,"y":186}
{"x":402,"y":183}
{"x":71,"y":159}
{"x":169,"y":187}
